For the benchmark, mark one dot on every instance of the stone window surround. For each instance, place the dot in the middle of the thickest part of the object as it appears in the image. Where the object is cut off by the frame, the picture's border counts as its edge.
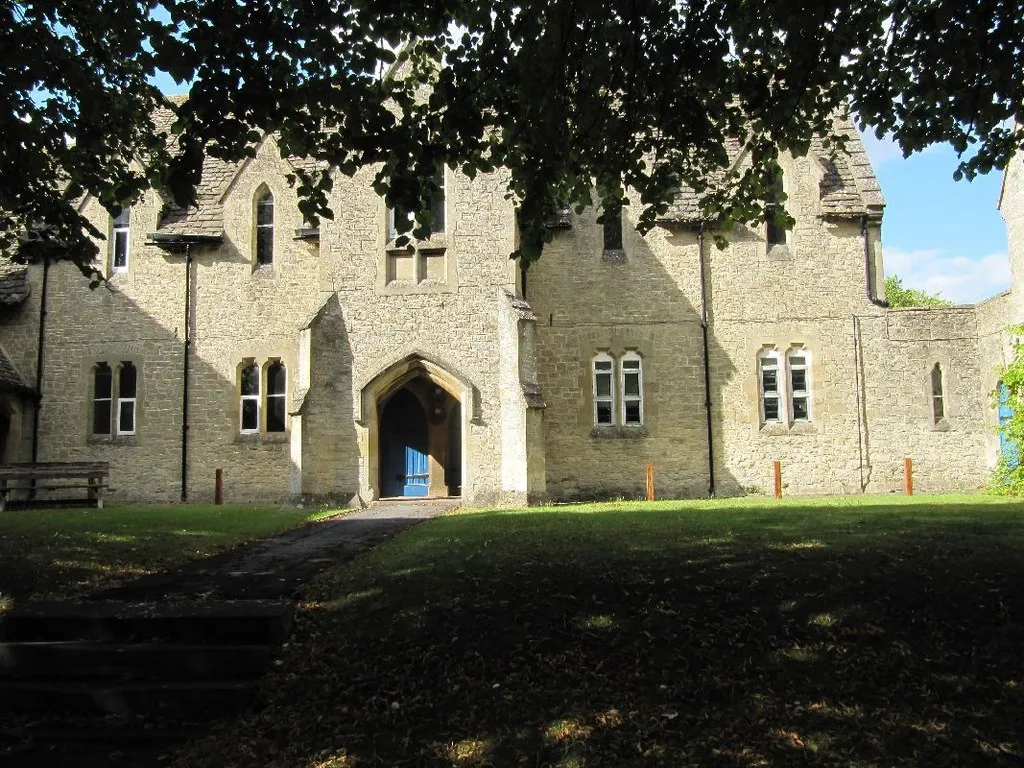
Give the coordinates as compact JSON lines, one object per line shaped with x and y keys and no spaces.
{"x":114,"y":360}
{"x":262,"y":199}
{"x":120,"y":226}
{"x":785,"y":424}
{"x":616,"y":373}
{"x":260,"y":434}
{"x":438,"y":243}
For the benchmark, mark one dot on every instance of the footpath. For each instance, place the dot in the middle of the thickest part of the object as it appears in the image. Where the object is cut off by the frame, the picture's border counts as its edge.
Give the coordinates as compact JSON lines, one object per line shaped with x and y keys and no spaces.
{"x":123,"y":677}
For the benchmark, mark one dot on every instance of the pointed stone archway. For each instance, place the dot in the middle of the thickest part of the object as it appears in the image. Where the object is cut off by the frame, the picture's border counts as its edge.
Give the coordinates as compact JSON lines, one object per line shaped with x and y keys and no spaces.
{"x":416,"y":413}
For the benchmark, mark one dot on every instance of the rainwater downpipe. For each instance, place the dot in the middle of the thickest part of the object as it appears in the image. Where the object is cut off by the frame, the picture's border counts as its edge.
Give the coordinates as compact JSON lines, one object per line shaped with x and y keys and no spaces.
{"x":866,"y":234}
{"x":707,"y":359}
{"x":39,"y":361}
{"x":184,"y":368}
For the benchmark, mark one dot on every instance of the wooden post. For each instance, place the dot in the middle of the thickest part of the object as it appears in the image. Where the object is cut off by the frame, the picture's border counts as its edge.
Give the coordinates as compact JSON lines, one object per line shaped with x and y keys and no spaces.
{"x":218,"y":488}
{"x":908,"y":476}
{"x":777,"y":472}
{"x":650,"y":482}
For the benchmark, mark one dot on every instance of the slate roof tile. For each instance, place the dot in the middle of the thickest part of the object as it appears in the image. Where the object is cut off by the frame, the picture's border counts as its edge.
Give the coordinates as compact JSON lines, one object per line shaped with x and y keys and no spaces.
{"x":14,"y":285}
{"x":10,"y":379}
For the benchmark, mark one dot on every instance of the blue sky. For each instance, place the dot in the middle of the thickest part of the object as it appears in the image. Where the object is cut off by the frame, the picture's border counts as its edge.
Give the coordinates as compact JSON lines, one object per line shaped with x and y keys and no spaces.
{"x":940,"y":235}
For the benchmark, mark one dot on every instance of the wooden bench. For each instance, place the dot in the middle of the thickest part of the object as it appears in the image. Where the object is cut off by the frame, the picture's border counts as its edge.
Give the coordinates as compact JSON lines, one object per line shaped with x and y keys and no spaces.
{"x":91,"y":476}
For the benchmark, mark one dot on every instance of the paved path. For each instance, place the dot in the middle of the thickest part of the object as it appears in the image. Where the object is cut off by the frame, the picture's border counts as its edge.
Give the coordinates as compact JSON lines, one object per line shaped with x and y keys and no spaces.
{"x":275,"y":567}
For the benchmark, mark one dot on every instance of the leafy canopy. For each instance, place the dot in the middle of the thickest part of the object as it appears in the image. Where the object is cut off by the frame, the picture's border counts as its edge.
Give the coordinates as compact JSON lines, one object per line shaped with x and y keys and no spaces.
{"x":897,"y":296}
{"x":1009,"y":399}
{"x":579,"y":102}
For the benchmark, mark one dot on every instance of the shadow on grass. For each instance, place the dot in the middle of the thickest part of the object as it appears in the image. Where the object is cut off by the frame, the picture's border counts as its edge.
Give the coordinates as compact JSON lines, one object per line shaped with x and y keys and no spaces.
{"x":799,"y":636}
{"x":59,"y":553}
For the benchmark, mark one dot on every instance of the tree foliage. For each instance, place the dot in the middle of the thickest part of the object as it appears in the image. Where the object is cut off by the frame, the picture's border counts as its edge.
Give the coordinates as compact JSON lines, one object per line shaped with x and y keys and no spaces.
{"x":617,"y":102}
{"x":1009,"y":473}
{"x":897,"y":296}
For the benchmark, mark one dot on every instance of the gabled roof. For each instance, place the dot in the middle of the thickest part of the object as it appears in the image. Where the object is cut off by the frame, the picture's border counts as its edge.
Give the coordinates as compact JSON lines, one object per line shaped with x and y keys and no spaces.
{"x":849,"y":188}
{"x":206,"y":217}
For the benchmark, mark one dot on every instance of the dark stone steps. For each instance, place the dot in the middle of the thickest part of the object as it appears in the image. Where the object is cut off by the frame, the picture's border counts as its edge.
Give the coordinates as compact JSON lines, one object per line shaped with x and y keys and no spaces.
{"x":74,"y":659}
{"x":248,"y":622}
{"x":193,"y":701}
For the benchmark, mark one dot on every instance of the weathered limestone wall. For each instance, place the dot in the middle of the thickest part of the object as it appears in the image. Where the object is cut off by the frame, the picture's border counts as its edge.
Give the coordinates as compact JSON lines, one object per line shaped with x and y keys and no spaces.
{"x":647,"y":303}
{"x":242,"y":312}
{"x":900,"y":350}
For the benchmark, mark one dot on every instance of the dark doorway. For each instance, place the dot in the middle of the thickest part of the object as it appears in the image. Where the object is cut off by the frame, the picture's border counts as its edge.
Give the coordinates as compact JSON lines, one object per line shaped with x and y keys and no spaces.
{"x":404,"y":469}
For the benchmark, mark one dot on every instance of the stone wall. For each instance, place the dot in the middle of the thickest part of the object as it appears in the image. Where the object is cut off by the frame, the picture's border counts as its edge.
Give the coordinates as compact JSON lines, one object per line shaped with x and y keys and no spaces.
{"x":244,"y":312}
{"x":329,"y":310}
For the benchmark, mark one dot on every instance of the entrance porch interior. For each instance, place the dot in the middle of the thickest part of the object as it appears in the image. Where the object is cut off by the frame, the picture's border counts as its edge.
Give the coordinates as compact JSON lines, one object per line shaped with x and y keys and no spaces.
{"x":420,"y":441}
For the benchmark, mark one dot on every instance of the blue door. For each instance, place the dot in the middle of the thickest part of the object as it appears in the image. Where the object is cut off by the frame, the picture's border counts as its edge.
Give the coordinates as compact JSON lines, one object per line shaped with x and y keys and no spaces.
{"x":1008,"y":450}
{"x":404,"y":466}
{"x":416,"y":473}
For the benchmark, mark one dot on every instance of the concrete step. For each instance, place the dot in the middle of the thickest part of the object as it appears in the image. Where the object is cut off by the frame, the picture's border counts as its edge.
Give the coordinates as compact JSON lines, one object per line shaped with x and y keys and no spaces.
{"x":247,"y":622}
{"x":187,"y":702}
{"x":75,"y":659}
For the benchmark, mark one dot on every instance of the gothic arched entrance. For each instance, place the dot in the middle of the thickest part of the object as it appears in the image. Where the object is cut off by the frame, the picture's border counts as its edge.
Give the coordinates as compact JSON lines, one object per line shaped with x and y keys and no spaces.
{"x":418,"y":436}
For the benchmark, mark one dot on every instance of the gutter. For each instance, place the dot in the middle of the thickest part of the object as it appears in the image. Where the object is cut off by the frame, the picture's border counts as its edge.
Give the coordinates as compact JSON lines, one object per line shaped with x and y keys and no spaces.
{"x":39,"y":362}
{"x":183,"y":243}
{"x":184,"y":372}
{"x":707,"y":359}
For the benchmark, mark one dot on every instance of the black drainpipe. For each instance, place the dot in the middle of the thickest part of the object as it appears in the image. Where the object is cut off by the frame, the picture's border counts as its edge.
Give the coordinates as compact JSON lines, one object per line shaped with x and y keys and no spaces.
{"x":707,"y":360}
{"x":867,"y":264}
{"x":39,"y":362}
{"x":184,"y":381}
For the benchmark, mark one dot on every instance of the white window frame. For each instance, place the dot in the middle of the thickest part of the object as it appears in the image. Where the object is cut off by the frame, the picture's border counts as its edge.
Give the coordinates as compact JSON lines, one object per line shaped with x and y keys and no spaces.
{"x":124,"y":402}
{"x":631,"y":357}
{"x":242,"y":398}
{"x":772,"y":356}
{"x":118,"y":228}
{"x":603,"y":358}
{"x":282,"y":396}
{"x":794,"y":393}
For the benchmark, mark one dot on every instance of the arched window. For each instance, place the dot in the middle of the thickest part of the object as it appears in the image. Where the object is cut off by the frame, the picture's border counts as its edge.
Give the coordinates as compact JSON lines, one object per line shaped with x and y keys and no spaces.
{"x":770,"y":384}
{"x":119,"y":230}
{"x":264,"y":227}
{"x":102,"y":394}
{"x":631,"y":382}
{"x":277,"y":382}
{"x":604,"y":389}
{"x":249,"y":387}
{"x":774,"y":233}
{"x":127,"y":383}
{"x":938,"y":406}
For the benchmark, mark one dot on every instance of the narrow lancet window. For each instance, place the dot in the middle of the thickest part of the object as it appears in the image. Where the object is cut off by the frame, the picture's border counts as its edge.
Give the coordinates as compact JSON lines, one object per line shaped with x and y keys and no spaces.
{"x":938,"y":405}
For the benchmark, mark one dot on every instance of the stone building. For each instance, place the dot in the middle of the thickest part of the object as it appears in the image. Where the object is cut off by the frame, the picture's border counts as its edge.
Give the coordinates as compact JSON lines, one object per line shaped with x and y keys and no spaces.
{"x":330,"y":363}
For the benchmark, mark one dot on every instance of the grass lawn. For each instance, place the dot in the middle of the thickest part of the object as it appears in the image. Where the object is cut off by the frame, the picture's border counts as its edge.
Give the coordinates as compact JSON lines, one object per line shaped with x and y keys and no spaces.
{"x":59,"y":553}
{"x":743,"y":633}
